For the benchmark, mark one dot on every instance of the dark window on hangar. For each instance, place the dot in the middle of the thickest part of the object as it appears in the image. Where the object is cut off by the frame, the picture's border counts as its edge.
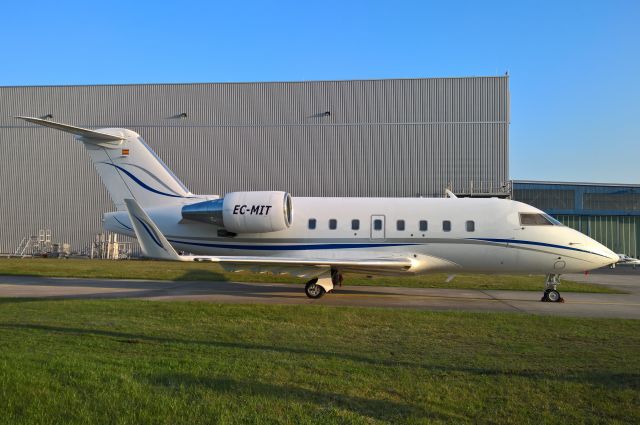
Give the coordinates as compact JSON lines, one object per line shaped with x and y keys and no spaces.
{"x":547,"y":199}
{"x":611,"y":201}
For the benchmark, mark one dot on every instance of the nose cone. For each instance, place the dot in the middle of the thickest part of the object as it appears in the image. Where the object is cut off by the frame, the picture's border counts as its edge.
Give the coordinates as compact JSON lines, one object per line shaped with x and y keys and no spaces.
{"x":596,"y":254}
{"x":606,"y":256}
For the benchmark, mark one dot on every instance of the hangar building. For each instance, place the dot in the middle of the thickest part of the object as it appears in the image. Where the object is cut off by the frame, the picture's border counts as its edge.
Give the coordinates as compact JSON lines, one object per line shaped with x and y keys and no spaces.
{"x":407,"y":137}
{"x":608,"y":213}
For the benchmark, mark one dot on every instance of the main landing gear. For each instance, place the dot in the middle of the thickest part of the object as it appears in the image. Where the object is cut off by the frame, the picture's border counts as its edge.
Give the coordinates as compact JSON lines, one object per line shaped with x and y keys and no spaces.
{"x":551,"y":293}
{"x":313,"y":290}
{"x":318,"y":286}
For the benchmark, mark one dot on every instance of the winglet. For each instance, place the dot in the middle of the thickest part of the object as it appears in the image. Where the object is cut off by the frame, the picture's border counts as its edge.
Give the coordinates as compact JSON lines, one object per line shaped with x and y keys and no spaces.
{"x":151,"y":239}
{"x":86,"y":134}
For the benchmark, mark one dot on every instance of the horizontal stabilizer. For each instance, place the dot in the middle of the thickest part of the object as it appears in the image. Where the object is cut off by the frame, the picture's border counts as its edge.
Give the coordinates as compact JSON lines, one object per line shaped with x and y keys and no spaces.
{"x":86,"y":134}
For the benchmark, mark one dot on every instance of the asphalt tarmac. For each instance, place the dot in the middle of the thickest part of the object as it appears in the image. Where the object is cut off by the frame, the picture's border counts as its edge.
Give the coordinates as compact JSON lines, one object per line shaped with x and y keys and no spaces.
{"x":576,"y":304}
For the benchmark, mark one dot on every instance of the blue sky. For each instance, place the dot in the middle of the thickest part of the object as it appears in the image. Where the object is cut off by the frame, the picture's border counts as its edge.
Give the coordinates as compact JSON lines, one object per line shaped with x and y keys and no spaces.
{"x":574,"y":66}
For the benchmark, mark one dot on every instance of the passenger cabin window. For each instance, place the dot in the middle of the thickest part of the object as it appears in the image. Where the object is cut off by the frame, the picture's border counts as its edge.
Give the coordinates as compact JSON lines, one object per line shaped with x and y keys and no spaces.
{"x":446,"y":225}
{"x":400,"y":225}
{"x":424,"y":225}
{"x":312,"y":223}
{"x":471,"y":226}
{"x":333,"y":224}
{"x":377,"y":224}
{"x":537,"y":219}
{"x":355,"y":224}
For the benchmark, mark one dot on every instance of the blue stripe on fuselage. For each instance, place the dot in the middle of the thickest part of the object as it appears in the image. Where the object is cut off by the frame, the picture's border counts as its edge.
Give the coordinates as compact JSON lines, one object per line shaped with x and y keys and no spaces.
{"x":292,"y":247}
{"x":122,"y":224}
{"x":318,"y":246}
{"x":522,"y":242}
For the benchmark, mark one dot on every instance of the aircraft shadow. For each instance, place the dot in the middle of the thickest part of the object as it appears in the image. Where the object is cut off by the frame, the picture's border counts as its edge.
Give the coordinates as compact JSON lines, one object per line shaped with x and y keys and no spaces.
{"x":191,"y":283}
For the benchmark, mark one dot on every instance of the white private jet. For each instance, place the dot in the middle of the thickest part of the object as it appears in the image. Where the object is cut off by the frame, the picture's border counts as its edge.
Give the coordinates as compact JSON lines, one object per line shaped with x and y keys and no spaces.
{"x":320,"y":238}
{"x":625,"y":260}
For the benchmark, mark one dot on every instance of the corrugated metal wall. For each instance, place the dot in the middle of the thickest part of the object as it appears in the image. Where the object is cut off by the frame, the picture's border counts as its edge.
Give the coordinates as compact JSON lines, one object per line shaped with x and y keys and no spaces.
{"x":608,"y":213}
{"x":379,"y":138}
{"x":621,"y":234}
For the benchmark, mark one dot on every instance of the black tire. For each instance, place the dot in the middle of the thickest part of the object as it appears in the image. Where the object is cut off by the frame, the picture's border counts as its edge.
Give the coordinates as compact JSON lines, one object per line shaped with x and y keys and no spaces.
{"x":544,"y":298}
{"x":554,"y":296}
{"x":313,"y":290}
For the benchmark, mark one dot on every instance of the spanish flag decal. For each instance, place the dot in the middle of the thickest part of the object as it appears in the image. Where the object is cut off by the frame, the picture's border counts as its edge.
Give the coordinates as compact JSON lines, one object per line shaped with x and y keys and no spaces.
{"x":125,"y":152}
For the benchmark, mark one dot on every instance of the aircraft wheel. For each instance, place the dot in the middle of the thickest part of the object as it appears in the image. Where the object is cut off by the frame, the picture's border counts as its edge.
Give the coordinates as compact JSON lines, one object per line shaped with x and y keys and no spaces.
{"x":313,"y":290}
{"x":544,"y":296}
{"x":554,"y":296}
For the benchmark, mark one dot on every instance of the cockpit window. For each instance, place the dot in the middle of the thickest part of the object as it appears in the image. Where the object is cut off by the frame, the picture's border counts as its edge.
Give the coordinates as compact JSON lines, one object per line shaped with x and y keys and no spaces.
{"x":537,"y":219}
{"x":553,"y":220}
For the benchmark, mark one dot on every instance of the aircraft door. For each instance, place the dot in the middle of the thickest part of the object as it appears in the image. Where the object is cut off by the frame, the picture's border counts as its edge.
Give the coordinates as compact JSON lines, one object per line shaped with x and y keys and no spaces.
{"x":377,"y":227}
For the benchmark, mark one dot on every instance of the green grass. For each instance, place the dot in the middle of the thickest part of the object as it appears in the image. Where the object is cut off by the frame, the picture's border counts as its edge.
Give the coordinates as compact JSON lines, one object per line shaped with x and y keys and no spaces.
{"x":134,"y":362}
{"x":173,"y":270}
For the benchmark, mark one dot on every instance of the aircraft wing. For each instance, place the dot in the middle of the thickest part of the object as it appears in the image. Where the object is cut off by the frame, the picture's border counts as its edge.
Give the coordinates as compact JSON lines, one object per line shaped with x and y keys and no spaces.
{"x":303,"y":267}
{"x":155,"y":245}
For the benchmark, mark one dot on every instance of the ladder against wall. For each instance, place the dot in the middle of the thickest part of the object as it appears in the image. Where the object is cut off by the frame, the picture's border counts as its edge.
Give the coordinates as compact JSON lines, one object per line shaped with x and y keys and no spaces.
{"x":34,"y":244}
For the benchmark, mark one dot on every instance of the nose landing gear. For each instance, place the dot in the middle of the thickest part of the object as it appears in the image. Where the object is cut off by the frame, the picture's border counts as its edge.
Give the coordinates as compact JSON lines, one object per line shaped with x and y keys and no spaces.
{"x":551,"y":293}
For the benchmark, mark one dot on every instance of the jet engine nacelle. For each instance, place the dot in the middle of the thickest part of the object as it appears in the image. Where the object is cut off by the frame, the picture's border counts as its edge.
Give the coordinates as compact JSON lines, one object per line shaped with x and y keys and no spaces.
{"x":244,"y":212}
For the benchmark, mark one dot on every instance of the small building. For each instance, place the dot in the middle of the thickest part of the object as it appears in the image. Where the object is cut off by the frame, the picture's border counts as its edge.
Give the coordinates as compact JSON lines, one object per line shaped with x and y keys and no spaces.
{"x":608,"y":213}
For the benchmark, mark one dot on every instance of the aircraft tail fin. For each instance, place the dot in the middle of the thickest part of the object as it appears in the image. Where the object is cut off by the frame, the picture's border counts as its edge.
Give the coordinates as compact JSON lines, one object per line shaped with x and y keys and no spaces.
{"x":126,"y":164}
{"x":150,"y":238}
